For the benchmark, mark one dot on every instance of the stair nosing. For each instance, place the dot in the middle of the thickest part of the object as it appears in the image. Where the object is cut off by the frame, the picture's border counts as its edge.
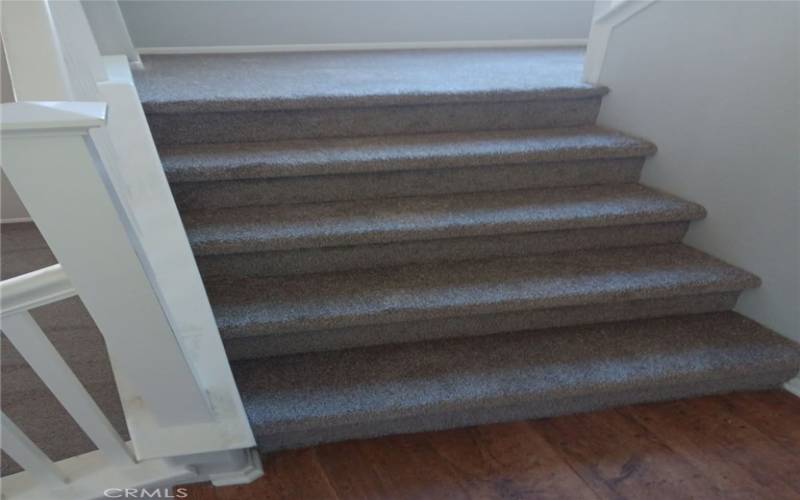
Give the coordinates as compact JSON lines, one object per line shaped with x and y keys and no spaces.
{"x":309,"y":157}
{"x":473,"y":403}
{"x":378,"y":411}
{"x":328,"y":311}
{"x":209,"y":235}
{"x":377,"y":100}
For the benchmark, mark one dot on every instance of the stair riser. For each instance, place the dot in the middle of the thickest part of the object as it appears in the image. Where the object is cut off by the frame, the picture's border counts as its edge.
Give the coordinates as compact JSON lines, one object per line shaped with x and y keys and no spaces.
{"x":194,"y":128}
{"x":325,"y":188}
{"x":274,"y":344}
{"x":541,"y":406}
{"x":369,"y":256}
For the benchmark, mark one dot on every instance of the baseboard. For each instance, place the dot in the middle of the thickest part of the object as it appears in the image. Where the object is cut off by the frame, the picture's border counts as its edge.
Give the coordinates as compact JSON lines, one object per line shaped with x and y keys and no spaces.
{"x":329,"y":47}
{"x":793,"y":386}
{"x":18,"y":220}
{"x":250,"y":470}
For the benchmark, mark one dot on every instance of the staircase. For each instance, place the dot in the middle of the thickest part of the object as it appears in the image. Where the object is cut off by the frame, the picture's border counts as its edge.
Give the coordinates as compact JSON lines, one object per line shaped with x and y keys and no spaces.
{"x":405,"y":241}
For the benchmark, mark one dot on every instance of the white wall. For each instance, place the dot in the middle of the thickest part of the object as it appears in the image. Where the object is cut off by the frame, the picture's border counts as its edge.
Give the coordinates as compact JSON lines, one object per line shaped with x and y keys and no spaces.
{"x":165,"y":23}
{"x":715,"y":86}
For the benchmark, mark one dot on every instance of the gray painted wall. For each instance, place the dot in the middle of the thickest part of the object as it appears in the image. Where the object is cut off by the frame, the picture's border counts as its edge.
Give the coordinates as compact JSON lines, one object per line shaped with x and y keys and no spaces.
{"x":169,"y":23}
{"x":715,"y":86}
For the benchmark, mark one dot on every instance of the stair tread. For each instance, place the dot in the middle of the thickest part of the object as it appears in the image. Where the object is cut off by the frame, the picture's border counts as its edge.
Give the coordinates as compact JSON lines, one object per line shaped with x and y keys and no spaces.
{"x":295,"y":158}
{"x":247,"y":306}
{"x":282,"y":227}
{"x":244,"y":82}
{"x":315,"y":392}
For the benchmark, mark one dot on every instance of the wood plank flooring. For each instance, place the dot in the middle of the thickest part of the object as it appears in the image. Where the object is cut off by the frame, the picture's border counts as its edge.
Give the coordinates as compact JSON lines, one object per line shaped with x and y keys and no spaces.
{"x":739,"y":446}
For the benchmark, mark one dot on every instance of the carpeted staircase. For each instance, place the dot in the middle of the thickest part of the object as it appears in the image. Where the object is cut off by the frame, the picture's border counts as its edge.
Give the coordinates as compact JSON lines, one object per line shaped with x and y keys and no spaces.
{"x":406,"y":241}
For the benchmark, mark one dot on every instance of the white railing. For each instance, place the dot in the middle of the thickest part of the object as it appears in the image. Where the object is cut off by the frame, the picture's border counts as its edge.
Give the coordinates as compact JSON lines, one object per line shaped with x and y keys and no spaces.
{"x":77,"y":149}
{"x":608,"y":15}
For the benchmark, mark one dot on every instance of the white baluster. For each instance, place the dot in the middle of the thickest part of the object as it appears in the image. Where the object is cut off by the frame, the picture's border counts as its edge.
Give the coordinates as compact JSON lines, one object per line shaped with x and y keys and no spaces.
{"x":31,"y":342}
{"x":28,"y":455}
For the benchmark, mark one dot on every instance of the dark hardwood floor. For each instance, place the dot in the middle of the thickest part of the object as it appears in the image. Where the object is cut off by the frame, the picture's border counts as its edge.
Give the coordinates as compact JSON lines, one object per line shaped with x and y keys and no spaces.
{"x":742,"y":446}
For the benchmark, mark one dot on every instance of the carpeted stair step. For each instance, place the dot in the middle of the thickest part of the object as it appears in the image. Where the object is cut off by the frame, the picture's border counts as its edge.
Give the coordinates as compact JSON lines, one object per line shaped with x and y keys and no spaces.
{"x":240,"y":174}
{"x":256,"y":126}
{"x":302,"y":400}
{"x":255,"y":97}
{"x":275,"y":315}
{"x":346,"y":235}
{"x":247,"y":81}
{"x":343,"y":258}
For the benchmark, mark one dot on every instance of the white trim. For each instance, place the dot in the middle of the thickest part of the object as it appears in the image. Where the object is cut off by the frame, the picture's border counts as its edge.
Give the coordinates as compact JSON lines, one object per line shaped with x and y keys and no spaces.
{"x":51,"y":115}
{"x":330,"y":47}
{"x":35,"y":289}
{"x":18,"y":220}
{"x":177,"y":282}
{"x":33,"y":52}
{"x":90,"y":474}
{"x":249,"y":470}
{"x":602,"y":27}
{"x":793,"y":386}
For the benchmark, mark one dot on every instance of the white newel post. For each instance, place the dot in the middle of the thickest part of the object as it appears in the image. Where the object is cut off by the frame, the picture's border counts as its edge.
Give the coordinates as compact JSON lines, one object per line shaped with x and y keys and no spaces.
{"x":182,"y":428}
{"x":120,"y":162}
{"x":97,"y":192}
{"x":51,"y":160}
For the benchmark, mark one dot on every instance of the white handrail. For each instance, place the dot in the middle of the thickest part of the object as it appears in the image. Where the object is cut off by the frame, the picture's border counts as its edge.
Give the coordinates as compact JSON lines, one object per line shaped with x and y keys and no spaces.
{"x":618,"y":12}
{"x":35,"y":289}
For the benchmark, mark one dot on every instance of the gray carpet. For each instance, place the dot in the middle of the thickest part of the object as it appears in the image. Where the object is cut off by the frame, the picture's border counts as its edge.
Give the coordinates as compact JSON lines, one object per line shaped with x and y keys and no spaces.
{"x":405,"y":241}
{"x":316,"y":123}
{"x":311,"y":398}
{"x":266,"y":160}
{"x":254,"y":306}
{"x":247,"y":82}
{"x":284,"y":227}
{"x":241,"y":98}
